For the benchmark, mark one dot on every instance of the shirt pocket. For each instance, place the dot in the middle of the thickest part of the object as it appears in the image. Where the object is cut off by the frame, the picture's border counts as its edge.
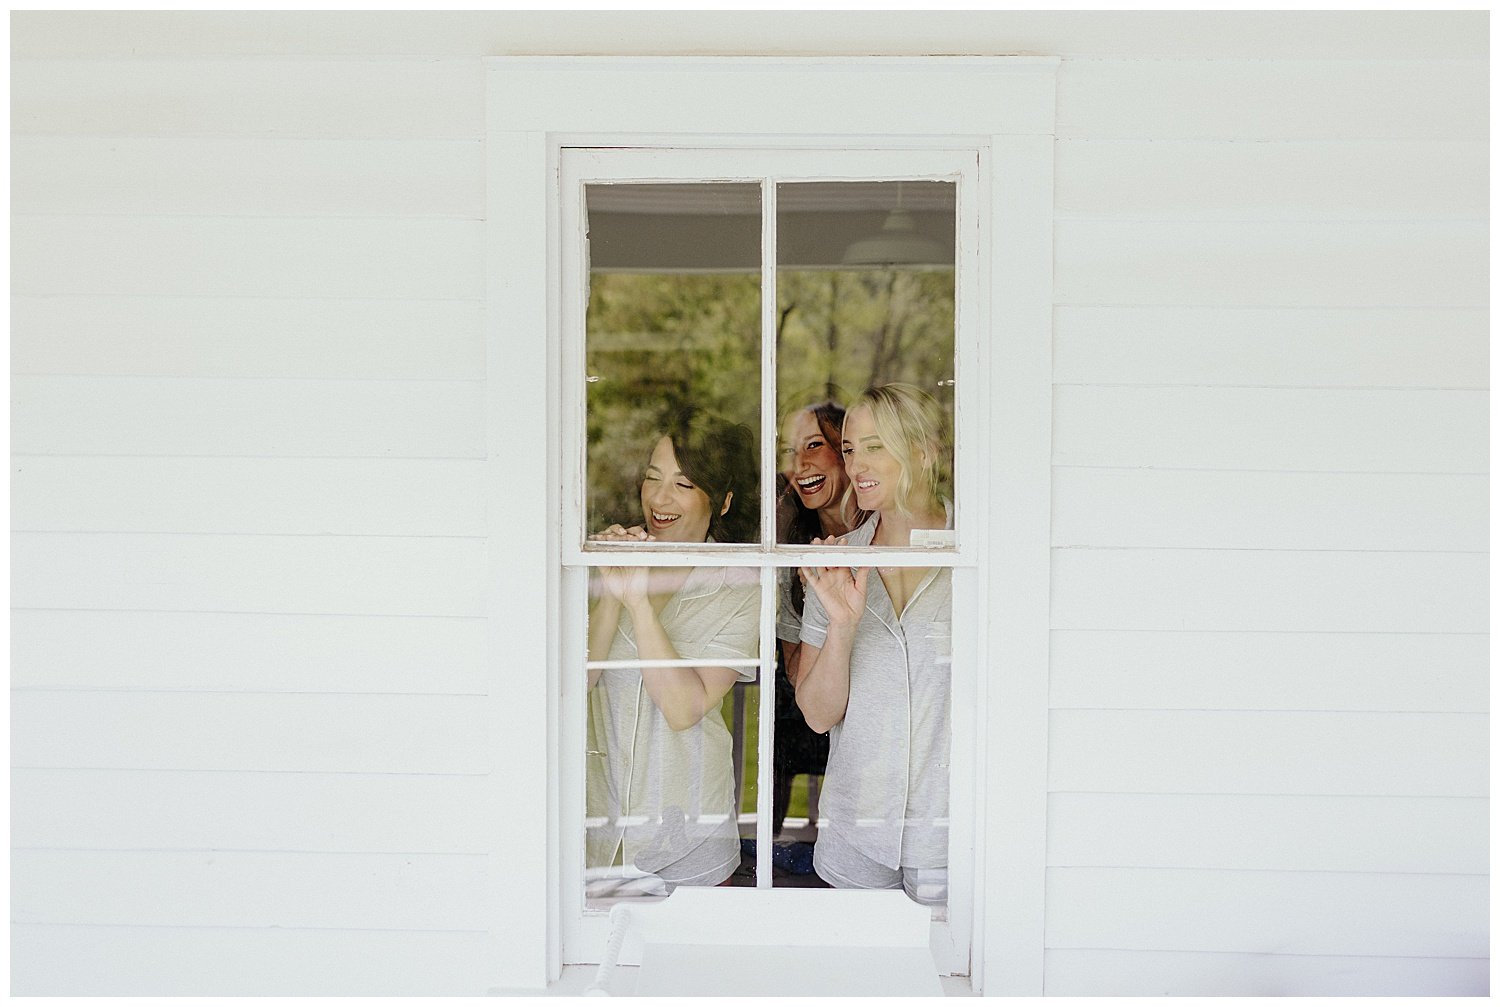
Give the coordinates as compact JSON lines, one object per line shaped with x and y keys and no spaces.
{"x":940,"y":637}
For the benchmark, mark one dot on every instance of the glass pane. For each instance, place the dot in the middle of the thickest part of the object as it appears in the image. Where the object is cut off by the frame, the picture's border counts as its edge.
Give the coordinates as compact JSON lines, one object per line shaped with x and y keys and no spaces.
{"x":673,"y":361}
{"x":876,"y":811}
{"x":865,"y":388}
{"x":666,"y":749}
{"x":865,"y":288}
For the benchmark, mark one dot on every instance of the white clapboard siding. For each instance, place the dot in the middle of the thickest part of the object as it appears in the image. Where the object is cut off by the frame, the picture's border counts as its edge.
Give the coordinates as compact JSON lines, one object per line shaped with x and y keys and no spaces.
{"x":1309,"y":347}
{"x":1403,"y":835}
{"x":249,"y":732}
{"x":410,"y":98}
{"x":1208,"y":589}
{"x":1268,"y":752}
{"x":1302,"y":179}
{"x":1261,"y":99}
{"x":390,"y":258}
{"x":1313,"y":913}
{"x":260,"y":418}
{"x":309,"y":812}
{"x":1269,"y":510}
{"x":247,"y":337}
{"x":262,"y":573}
{"x":1166,"y":670}
{"x":298,"y":496}
{"x":1172,"y":33}
{"x":237,"y":176}
{"x":1259,"y":263}
{"x":1302,"y":429}
{"x":377,"y":891}
{"x":1193,"y":973}
{"x":246,"y":652}
{"x":52,"y":959}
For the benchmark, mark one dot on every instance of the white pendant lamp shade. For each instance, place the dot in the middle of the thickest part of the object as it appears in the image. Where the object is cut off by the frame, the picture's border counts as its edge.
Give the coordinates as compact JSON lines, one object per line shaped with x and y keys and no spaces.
{"x":897,"y":243}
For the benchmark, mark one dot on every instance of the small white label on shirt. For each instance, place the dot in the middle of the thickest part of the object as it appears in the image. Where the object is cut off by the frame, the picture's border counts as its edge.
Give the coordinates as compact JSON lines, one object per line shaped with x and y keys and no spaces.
{"x":933,"y":538}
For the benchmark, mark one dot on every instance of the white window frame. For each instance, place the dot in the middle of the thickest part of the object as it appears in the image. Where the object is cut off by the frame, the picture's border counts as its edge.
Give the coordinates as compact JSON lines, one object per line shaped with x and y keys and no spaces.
{"x":584,"y":937}
{"x":999,"y":108}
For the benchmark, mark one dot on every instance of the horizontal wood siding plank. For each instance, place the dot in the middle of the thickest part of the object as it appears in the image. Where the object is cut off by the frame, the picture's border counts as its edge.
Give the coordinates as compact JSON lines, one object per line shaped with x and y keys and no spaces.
{"x":1259,"y":263}
{"x":1407,"y":915}
{"x":230,"y":417}
{"x":1407,"y":835}
{"x":405,"y":98}
{"x":263,"y":573}
{"x":1264,"y":99}
{"x":1342,"y":592}
{"x":221,"y":889}
{"x":1194,"y":973}
{"x":212,"y":337}
{"x":51,"y":960}
{"x":1297,"y":180}
{"x":247,"y":257}
{"x":1258,"y":34}
{"x":1268,"y":752}
{"x":306,"y":812}
{"x":1271,"y":428}
{"x":234,"y":177}
{"x":249,"y":732}
{"x":1270,"y":671}
{"x":754,"y":97}
{"x":1269,"y":510}
{"x":243,"y":652}
{"x":259,"y":496}
{"x":1328,"y":347}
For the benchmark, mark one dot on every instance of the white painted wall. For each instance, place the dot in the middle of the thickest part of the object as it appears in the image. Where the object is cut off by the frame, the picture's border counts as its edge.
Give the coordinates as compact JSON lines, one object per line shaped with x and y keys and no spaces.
{"x":250,"y":697}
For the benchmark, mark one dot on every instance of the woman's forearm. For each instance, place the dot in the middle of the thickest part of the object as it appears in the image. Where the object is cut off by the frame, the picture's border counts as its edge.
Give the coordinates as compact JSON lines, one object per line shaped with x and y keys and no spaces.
{"x":790,"y":654}
{"x":823,"y":678}
{"x":604,"y":620}
{"x":683,"y":695}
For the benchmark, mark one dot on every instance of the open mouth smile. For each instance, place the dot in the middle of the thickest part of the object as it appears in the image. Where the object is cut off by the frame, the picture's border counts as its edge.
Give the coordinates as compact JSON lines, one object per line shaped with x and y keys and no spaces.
{"x":865,"y":485}
{"x":661,"y":520}
{"x":811,"y":484}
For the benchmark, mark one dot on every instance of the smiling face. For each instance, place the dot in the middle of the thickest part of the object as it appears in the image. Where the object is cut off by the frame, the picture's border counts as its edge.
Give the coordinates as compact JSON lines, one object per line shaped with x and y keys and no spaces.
{"x":872,"y":467}
{"x":810,"y":463}
{"x":675,"y":509}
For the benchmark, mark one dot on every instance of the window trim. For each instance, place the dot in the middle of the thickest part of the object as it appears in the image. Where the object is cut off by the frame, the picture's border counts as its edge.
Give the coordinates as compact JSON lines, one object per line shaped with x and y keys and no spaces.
{"x":537,"y":105}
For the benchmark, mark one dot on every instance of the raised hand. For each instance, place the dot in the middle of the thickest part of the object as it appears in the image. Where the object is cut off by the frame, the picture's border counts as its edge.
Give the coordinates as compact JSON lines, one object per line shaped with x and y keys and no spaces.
{"x":629,"y":585}
{"x":841,"y":590}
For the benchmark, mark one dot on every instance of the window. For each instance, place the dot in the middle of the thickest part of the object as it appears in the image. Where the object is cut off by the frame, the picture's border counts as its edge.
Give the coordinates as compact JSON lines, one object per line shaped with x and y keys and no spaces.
{"x":769,"y":124}
{"x":713,"y":303}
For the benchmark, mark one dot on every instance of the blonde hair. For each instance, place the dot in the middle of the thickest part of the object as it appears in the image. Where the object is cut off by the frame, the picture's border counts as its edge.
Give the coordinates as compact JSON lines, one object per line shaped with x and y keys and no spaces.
{"x":910,"y":425}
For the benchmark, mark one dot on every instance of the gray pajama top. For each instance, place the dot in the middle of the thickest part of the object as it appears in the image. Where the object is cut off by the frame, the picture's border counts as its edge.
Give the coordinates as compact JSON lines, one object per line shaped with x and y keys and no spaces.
{"x":886,"y":788}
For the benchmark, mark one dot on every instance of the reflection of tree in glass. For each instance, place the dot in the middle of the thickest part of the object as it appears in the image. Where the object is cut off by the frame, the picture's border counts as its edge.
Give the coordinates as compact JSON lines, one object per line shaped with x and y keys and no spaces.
{"x":658,"y":342}
{"x":842,"y":331}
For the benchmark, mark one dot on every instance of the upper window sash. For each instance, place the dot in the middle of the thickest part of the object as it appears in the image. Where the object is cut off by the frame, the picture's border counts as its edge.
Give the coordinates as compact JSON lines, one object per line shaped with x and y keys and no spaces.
{"x":583,"y":166}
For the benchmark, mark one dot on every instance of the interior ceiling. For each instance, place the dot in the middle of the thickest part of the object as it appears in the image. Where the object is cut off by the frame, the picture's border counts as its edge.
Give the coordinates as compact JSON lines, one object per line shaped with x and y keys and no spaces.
{"x":699,"y":198}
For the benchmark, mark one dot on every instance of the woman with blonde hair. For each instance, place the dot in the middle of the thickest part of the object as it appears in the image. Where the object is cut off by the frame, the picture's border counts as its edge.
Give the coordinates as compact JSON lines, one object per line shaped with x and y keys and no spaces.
{"x":875,"y":661}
